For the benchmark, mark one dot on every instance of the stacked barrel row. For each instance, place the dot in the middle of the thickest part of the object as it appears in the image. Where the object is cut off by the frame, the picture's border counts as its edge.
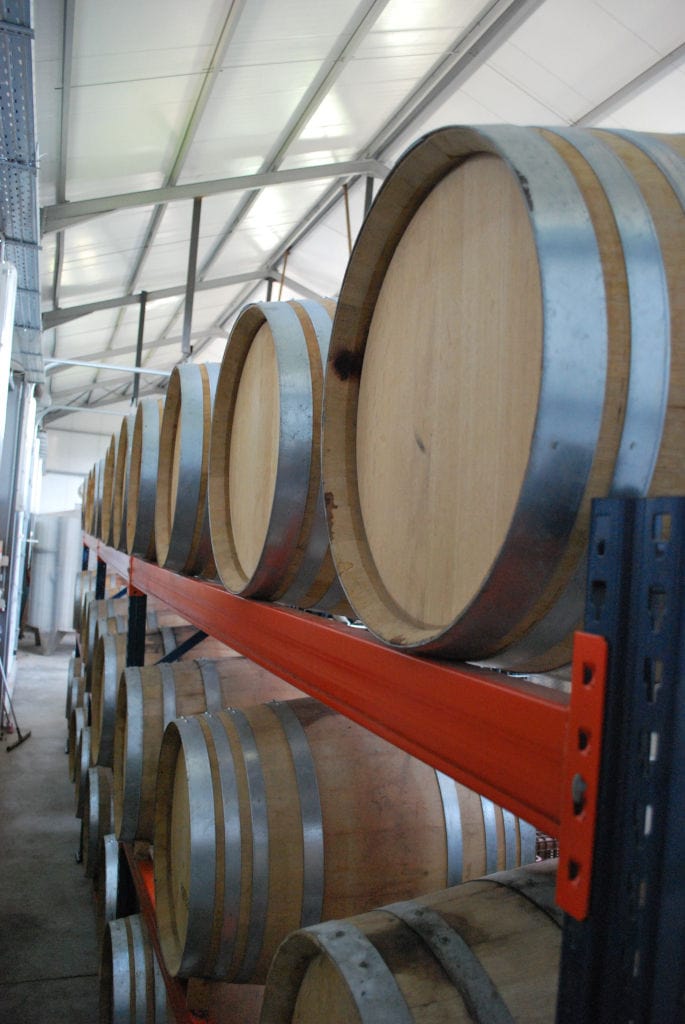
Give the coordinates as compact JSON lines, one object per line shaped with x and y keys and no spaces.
{"x":507,"y":345}
{"x":154,"y":483}
{"x":130,"y":975}
{"x":120,"y":928}
{"x":261,"y":817}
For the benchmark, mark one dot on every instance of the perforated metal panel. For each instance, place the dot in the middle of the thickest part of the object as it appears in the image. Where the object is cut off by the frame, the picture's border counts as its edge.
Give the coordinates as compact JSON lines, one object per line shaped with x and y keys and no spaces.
{"x":18,"y":178}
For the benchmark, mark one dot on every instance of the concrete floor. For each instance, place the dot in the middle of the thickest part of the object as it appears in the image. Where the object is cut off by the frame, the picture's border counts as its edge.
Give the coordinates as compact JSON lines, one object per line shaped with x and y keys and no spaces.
{"x":48,"y":945}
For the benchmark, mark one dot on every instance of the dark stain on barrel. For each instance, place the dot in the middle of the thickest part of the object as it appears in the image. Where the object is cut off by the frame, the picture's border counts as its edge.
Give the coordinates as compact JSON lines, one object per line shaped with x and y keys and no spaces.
{"x":348,"y":363}
{"x":330,"y":508}
{"x":419,"y":442}
{"x":523,"y":181}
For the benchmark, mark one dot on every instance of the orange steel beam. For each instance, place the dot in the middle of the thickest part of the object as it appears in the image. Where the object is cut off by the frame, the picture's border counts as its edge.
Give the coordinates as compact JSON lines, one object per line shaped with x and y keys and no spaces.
{"x":503,"y":737}
{"x":582,"y":758}
{"x":119,"y":561}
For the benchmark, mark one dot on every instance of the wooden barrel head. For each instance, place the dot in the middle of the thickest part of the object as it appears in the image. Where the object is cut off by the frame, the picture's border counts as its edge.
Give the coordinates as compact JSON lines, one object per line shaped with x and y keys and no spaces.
{"x":173,"y":843}
{"x":507,"y":346}
{"x":142,"y":484}
{"x":450,"y":368}
{"x":253,"y":454}
{"x":121,"y":479}
{"x":108,"y":489}
{"x":266,"y":505}
{"x":181,"y":521}
{"x":168,"y":468}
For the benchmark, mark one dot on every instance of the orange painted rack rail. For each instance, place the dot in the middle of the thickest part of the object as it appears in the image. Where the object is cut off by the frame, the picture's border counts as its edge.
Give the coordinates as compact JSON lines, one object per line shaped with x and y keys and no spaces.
{"x":504,"y":737}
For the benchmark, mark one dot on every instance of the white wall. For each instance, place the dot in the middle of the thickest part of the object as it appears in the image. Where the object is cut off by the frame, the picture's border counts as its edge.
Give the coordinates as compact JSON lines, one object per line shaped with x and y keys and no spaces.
{"x":59,"y":493}
{"x":70,"y":451}
{"x":70,"y":456}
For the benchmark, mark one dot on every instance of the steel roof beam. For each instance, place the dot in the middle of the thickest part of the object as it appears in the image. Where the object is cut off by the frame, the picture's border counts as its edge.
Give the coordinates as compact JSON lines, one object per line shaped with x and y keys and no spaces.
{"x":111,"y":383}
{"x":53,"y":363}
{"x":65,"y":109}
{"x":64,"y":215}
{"x":55,"y":317}
{"x":114,"y":394}
{"x":128,"y":350}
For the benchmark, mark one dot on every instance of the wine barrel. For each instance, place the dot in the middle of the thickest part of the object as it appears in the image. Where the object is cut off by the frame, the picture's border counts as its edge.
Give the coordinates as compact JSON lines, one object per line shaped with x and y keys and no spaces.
{"x":88,"y":501}
{"x":142,"y":482}
{"x":500,"y":356}
{"x":266,"y":507}
{"x":77,"y":695}
{"x":115,"y":891}
{"x":76,"y":723}
{"x":121,"y":479}
{"x":223,"y":1003}
{"x":107,"y":606}
{"x":92,"y":493}
{"x":85,"y":580}
{"x":148,"y":699}
{"x":487,"y":950}
{"x":108,"y":479}
{"x":157,"y":615}
{"x":302,"y":815}
{"x":110,"y":661}
{"x":131,"y":984}
{"x":156,"y":618}
{"x":97,"y":817}
{"x":99,"y":481}
{"x":85,"y":584}
{"x":81,"y":766}
{"x":74,"y":675}
{"x":181,"y":514}
{"x":113,"y":585}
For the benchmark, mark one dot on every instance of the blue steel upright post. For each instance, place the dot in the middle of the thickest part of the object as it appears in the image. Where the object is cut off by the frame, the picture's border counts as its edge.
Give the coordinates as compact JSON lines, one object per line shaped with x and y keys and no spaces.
{"x":625,"y":964}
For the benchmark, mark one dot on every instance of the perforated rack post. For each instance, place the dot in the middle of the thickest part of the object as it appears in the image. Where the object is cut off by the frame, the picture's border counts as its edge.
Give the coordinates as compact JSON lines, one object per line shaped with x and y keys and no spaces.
{"x":625,"y":964}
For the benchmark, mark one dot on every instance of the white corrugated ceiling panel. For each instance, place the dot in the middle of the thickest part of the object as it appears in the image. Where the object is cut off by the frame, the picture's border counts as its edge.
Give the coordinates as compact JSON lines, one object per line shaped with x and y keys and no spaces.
{"x":87,"y":334}
{"x":136,"y":73}
{"x":322,"y":262}
{"x":99,"y":254}
{"x":566,"y":58}
{"x":579,"y":52}
{"x":275,"y":213}
{"x":167,"y":263}
{"x":272,"y":60}
{"x":400,"y":49}
{"x":139,"y":68}
{"x":660,"y":106}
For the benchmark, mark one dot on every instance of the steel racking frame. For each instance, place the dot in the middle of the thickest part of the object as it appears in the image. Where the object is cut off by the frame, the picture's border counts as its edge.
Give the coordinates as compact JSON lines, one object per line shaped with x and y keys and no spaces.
{"x":608,"y":781}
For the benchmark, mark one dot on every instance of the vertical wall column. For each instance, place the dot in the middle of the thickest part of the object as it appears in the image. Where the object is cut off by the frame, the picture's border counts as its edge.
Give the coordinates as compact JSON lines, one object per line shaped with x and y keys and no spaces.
{"x":16,"y":468}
